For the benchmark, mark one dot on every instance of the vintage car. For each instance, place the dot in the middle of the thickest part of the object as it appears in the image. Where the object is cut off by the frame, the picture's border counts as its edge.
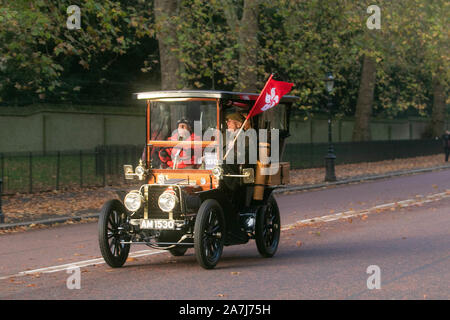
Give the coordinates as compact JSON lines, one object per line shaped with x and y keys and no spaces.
{"x":199,"y":201}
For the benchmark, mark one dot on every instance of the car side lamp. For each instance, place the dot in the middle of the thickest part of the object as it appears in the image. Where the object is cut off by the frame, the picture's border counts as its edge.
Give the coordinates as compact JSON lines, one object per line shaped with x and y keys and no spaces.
{"x":248,"y":174}
{"x":138,"y":172}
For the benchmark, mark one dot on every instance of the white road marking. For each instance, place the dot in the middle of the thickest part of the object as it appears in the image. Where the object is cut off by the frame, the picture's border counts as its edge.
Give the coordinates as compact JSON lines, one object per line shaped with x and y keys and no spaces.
{"x":328,"y":218}
{"x":80,"y":264}
{"x":386,"y":206}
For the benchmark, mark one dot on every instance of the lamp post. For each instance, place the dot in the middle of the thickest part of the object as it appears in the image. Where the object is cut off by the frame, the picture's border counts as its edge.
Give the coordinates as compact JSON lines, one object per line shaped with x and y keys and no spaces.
{"x":331,"y":156}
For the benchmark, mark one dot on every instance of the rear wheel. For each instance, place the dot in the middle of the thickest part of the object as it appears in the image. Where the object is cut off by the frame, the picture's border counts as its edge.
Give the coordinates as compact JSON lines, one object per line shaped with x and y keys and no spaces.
{"x":267,"y":231}
{"x":112,"y":230}
{"x":209,"y":232}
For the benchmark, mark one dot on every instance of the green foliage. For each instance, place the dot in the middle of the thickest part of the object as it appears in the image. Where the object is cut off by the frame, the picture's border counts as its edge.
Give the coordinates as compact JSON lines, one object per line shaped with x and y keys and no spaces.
{"x":40,"y":56}
{"x":206,"y":47}
{"x":305,"y":39}
{"x":298,"y":40}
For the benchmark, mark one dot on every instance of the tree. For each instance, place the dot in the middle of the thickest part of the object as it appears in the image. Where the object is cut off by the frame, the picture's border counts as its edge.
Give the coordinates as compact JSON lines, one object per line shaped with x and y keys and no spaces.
{"x":41,"y":57}
{"x":432,"y":33}
{"x":302,"y":40}
{"x":246,"y":29}
{"x":166,"y":18}
{"x":361,"y":130}
{"x":401,"y":69}
{"x":205,"y":46}
{"x":411,"y":59}
{"x":369,"y":50}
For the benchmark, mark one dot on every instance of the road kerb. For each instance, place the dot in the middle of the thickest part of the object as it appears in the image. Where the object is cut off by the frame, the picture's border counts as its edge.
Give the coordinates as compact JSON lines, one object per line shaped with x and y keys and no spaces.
{"x":290,"y":189}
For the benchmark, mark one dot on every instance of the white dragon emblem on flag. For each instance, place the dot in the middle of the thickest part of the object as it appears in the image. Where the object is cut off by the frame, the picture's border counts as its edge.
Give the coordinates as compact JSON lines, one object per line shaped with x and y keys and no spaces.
{"x":271,"y":100}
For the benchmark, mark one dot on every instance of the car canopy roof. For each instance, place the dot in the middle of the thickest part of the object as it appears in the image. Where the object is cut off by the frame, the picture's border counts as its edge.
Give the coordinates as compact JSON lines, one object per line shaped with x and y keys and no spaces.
{"x":206,"y":94}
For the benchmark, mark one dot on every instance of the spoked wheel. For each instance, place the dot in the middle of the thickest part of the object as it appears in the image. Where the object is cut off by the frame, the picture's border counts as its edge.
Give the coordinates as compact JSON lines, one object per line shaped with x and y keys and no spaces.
{"x":178,"y":251}
{"x":267,"y":231}
{"x":209,"y":232}
{"x":111,"y":227}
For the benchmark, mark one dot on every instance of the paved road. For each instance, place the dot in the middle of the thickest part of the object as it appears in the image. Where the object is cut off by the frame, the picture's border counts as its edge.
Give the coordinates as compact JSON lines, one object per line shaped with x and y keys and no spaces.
{"x":411,"y":246}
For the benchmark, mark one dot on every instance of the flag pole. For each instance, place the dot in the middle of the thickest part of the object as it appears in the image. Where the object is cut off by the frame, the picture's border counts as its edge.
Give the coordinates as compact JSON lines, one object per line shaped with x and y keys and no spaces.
{"x":248,"y":116}
{"x":235,"y":138}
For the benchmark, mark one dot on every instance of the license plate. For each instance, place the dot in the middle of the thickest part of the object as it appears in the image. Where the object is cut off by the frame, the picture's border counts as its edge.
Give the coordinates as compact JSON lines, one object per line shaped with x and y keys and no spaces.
{"x":158,"y":224}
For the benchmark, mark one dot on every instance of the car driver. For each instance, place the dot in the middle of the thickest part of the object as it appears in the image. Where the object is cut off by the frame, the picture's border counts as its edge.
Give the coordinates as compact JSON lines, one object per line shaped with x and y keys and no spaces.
{"x":183,"y":157}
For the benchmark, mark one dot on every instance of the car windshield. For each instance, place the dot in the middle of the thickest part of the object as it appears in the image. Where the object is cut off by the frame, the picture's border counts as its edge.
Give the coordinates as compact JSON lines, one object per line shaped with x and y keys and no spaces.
{"x":179,"y":121}
{"x":166,"y":115}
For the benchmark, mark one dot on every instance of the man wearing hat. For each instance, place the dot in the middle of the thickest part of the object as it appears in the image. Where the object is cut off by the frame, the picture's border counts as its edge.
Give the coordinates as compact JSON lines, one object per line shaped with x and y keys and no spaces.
{"x":234,"y":121}
{"x":168,"y":155}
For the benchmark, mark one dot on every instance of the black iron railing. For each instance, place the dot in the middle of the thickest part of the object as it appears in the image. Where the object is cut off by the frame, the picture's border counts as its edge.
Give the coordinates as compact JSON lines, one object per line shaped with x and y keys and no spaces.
{"x":35,"y":172}
{"x":312,"y":155}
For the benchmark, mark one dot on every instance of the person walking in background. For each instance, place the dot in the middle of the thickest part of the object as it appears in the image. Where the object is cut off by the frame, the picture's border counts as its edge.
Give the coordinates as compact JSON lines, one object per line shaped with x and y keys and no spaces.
{"x":446,"y":143}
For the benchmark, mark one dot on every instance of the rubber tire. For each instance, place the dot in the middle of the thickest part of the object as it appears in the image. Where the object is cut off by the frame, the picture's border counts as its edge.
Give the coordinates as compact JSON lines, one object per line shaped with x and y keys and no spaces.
{"x":264,"y":250}
{"x":107,"y":209}
{"x":178,"y":251}
{"x":201,"y":223}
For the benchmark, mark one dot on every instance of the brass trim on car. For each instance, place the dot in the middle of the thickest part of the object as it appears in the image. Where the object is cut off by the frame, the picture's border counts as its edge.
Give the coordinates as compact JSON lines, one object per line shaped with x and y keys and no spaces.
{"x":146,"y":201}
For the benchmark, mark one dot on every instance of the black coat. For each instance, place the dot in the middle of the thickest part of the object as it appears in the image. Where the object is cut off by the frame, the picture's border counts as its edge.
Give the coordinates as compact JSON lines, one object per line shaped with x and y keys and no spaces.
{"x":446,"y":140}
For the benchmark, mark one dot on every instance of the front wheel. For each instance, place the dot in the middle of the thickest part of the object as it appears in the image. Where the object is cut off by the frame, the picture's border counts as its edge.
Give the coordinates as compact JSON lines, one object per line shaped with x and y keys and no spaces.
{"x":267,"y":231}
{"x":111,"y":230}
{"x":209,"y":233}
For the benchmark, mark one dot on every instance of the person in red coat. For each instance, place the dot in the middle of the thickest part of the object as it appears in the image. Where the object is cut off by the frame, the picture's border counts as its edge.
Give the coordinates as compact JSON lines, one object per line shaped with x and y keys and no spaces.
{"x":182,"y":157}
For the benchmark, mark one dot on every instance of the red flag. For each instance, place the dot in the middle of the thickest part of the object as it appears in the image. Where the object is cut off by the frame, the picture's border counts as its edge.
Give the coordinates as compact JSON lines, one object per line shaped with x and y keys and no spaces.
{"x":270,"y":96}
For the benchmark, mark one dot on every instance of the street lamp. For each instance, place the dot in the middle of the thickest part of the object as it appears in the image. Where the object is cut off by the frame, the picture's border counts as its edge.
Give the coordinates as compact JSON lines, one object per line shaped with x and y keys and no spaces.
{"x":330,"y":157}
